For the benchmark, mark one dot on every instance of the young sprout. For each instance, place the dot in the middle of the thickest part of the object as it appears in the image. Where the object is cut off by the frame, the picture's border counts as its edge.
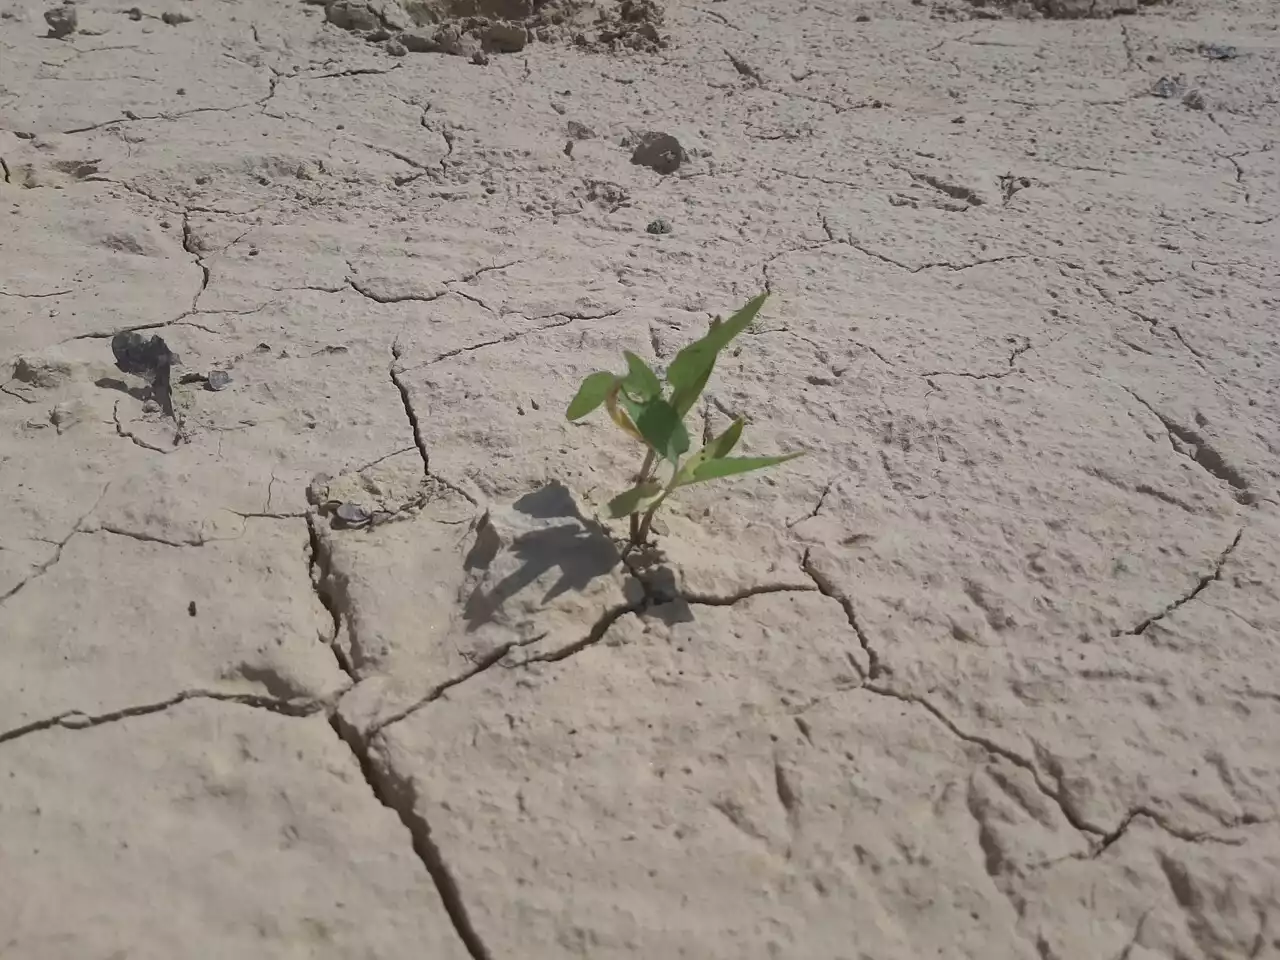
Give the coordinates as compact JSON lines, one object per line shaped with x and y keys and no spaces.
{"x":652,"y":412}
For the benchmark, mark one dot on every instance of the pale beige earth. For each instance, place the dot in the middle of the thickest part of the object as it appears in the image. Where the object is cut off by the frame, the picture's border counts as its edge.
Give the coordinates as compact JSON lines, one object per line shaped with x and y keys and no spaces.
{"x":993,"y":672}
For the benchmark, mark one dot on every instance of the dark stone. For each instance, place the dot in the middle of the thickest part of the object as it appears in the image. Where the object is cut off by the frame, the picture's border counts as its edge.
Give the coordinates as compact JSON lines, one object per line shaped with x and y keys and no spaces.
{"x":659,"y":151}
{"x":1218,"y":51}
{"x":150,"y":359}
{"x":61,"y":20}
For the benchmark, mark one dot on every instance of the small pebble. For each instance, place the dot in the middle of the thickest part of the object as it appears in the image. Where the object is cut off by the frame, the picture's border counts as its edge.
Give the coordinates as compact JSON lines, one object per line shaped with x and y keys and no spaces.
{"x":219,"y":380}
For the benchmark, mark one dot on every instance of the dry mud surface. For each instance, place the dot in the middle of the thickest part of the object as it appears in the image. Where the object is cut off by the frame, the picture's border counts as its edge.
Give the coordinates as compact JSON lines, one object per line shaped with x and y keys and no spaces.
{"x":993,"y":672}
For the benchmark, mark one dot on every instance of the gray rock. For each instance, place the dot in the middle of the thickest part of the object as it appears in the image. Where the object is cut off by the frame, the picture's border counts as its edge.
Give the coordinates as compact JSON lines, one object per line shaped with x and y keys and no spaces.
{"x":353,"y":514}
{"x":351,"y":15}
{"x":419,"y":40}
{"x":503,"y":37}
{"x":1169,"y":88}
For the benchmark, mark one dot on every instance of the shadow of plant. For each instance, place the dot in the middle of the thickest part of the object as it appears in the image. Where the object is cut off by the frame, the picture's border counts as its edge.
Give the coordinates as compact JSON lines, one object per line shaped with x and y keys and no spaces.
{"x":578,"y":549}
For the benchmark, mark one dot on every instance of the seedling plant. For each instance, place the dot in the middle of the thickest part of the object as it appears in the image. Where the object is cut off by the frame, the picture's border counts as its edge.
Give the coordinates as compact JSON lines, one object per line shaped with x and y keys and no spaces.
{"x":651,"y":410}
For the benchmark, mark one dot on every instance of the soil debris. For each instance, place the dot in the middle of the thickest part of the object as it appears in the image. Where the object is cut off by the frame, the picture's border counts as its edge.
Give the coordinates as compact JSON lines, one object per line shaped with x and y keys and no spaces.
{"x":1062,"y":9}
{"x":464,"y":28}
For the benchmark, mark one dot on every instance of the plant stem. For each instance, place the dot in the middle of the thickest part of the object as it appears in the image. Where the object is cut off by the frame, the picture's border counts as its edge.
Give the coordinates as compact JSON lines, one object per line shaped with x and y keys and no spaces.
{"x":641,"y":477}
{"x":642,"y":534}
{"x":645,"y":467}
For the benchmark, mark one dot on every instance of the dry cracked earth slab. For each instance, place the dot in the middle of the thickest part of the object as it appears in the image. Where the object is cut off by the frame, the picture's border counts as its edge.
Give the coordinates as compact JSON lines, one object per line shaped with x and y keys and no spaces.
{"x":337,"y":660}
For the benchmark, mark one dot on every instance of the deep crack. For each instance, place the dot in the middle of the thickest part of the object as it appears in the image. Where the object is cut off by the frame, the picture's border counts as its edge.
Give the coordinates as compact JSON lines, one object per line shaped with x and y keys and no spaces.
{"x":399,"y":795}
{"x":323,"y":581}
{"x":1201,"y":452}
{"x":189,"y":244}
{"x":403,"y":390}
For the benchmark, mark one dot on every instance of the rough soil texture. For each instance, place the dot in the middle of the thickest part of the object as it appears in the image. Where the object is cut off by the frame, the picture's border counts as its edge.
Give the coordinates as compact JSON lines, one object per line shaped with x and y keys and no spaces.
{"x":335,"y":661}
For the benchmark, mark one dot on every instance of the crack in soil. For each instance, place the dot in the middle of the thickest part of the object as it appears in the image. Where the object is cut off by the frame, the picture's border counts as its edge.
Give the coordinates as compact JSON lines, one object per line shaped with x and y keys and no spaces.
{"x":137,"y":441}
{"x":330,"y":591}
{"x":932,"y":265}
{"x":36,"y":296}
{"x":995,"y":749}
{"x":43,"y":568}
{"x":78,"y":720}
{"x":565,"y":320}
{"x":1201,"y":585}
{"x":152,"y":538}
{"x":412,"y":416}
{"x":131,"y":117}
{"x":828,"y":589}
{"x":189,"y":245}
{"x":1201,"y":453}
{"x":399,"y":795}
{"x":953,"y":190}
{"x":817,"y":507}
{"x":392,"y":792}
{"x":352,"y":283}
{"x":499,"y":655}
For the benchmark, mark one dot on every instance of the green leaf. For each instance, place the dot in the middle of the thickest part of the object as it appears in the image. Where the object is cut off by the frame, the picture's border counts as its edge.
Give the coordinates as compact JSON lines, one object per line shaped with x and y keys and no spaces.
{"x":660,"y":426}
{"x":719,"y":447}
{"x":641,"y":383}
{"x":593,"y":392}
{"x":634,"y":500}
{"x":683,"y":400}
{"x":691,"y":369}
{"x":723,"y":445}
{"x":729,"y":466}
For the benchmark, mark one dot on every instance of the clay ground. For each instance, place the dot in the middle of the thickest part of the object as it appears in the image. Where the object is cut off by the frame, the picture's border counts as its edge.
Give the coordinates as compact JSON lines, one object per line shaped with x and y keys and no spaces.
{"x":993,"y":672}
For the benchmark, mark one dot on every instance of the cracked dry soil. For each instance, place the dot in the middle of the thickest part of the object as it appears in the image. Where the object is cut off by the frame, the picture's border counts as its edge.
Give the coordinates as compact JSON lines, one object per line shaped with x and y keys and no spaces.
{"x":993,"y":672}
